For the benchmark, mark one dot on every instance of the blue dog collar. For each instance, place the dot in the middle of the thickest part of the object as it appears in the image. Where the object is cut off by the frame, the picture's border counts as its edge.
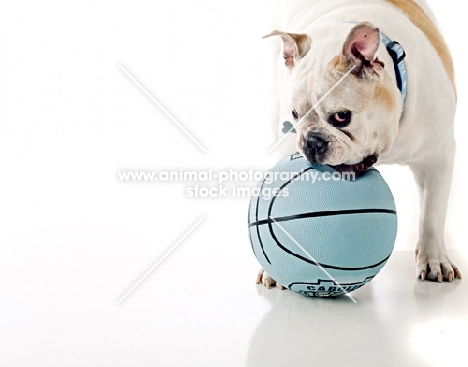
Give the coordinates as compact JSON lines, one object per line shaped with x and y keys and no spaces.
{"x":397,"y":53}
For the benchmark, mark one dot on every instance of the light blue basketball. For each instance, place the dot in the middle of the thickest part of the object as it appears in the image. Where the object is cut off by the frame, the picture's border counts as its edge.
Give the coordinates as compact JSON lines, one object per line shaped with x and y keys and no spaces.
{"x":317,"y":233}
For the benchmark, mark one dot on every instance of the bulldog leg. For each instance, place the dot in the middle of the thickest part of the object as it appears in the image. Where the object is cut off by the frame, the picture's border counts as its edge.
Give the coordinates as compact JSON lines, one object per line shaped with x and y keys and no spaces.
{"x":434,"y":178}
{"x":266,"y":280}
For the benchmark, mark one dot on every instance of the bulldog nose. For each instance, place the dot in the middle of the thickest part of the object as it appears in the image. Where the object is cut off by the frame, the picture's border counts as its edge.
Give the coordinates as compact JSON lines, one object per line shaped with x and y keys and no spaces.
{"x":318,"y":144}
{"x":317,"y":140}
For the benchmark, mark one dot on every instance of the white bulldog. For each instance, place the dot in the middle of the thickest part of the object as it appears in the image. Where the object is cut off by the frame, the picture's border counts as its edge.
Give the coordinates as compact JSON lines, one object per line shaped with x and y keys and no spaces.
{"x":356,"y":100}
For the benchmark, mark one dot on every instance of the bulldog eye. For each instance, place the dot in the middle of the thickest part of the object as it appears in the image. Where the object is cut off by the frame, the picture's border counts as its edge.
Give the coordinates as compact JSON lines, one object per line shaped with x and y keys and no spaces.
{"x":340,"y":119}
{"x":295,"y":114}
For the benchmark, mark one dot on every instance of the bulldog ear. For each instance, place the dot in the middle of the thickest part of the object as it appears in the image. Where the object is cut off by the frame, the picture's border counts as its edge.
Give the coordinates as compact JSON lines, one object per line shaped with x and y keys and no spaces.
{"x":360,"y":48}
{"x":295,"y":46}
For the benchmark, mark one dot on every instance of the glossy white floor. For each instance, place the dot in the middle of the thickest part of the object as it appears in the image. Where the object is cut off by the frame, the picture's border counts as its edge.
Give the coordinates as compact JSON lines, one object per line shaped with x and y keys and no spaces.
{"x":200,"y":312}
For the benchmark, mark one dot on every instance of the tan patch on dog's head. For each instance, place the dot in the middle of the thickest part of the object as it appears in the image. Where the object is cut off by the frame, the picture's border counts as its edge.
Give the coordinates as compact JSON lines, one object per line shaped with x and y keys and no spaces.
{"x":375,"y":91}
{"x":419,"y":18}
{"x":383,"y":95}
{"x":340,"y":64}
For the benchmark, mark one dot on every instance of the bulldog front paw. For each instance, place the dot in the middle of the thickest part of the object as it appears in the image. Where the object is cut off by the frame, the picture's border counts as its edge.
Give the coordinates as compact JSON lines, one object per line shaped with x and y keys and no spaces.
{"x":435,"y":266}
{"x":266,"y":280}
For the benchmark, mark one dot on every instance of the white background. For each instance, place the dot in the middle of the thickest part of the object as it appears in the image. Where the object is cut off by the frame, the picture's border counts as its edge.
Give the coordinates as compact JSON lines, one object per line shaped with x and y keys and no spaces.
{"x":70,"y":119}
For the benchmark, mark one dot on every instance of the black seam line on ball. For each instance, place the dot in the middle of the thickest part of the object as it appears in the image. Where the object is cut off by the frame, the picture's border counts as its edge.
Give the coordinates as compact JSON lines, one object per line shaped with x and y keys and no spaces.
{"x":273,"y":235}
{"x":250,"y":231}
{"x":251,"y":241}
{"x":295,"y":156}
{"x":256,"y":217}
{"x":326,"y":266}
{"x":322,"y":214}
{"x":270,"y":226}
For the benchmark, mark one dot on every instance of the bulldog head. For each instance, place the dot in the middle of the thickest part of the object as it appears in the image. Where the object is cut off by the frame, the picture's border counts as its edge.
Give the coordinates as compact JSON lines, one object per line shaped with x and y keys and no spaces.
{"x":345,"y":104}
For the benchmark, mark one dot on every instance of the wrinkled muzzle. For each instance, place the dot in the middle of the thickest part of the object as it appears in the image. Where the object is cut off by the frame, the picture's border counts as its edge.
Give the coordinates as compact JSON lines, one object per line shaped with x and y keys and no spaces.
{"x":316,"y":144}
